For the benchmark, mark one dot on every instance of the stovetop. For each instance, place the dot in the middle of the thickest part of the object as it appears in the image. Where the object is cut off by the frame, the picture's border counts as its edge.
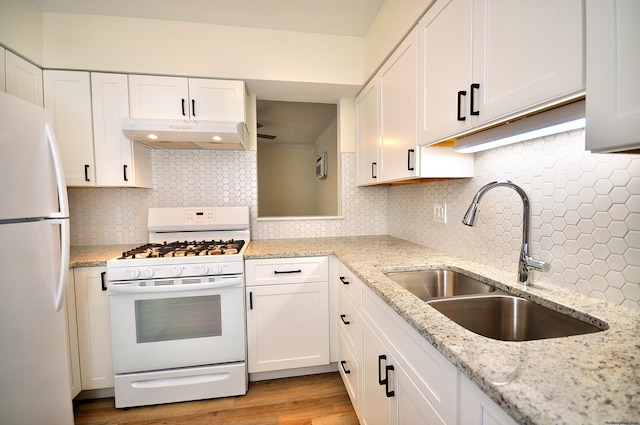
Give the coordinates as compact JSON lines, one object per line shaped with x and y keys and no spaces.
{"x":184,"y":249}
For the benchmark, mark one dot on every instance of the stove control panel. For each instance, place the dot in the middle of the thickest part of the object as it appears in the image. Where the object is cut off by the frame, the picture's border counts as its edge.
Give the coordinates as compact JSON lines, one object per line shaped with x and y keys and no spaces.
{"x":172,"y":267}
{"x":199,"y":216}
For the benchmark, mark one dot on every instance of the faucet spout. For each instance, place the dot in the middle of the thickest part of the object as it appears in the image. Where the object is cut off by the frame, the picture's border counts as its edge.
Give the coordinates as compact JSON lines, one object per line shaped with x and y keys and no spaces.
{"x":526,"y":263}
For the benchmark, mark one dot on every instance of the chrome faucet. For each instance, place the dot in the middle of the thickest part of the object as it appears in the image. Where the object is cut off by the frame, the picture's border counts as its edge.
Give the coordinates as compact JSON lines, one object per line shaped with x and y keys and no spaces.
{"x":527,"y":264}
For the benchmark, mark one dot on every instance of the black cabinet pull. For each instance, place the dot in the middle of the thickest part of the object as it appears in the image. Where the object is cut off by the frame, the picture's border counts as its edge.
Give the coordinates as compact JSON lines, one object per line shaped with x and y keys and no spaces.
{"x":343,"y":280}
{"x":386,"y":381}
{"x":374,"y":170}
{"x":287,"y":271}
{"x":409,"y":152}
{"x":102,"y":281}
{"x":343,"y":363}
{"x":474,"y":88}
{"x":183,"y":114}
{"x":124,"y":172}
{"x":86,"y":172}
{"x":250,"y":300}
{"x":193,"y":107}
{"x":461,"y":93}
{"x":381,"y":380}
{"x":344,"y":320}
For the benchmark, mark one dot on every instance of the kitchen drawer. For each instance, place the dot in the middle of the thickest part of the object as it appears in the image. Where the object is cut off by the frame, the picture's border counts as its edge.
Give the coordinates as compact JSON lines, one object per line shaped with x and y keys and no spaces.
{"x":348,"y":320}
{"x":275,"y":271}
{"x":348,"y":283}
{"x":350,"y":372}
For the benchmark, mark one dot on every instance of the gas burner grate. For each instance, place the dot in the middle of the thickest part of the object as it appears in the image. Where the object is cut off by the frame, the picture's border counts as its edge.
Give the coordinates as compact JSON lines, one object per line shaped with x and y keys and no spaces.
{"x":184,"y":249}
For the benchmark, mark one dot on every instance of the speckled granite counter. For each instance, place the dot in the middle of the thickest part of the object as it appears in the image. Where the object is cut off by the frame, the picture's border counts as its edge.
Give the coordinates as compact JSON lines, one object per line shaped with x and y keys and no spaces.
{"x":586,"y":379}
{"x":96,"y":256}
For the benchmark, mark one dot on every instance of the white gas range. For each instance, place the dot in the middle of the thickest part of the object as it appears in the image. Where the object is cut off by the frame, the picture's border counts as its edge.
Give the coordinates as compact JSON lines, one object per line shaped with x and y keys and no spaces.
{"x":177,"y":308}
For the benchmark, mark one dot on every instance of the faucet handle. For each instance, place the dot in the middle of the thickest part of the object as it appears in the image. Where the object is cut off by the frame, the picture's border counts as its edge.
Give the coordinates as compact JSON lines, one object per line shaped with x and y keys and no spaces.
{"x":539,"y":265}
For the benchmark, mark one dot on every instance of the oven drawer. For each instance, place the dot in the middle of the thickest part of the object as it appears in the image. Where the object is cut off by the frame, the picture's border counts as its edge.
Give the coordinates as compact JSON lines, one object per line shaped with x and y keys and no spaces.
{"x":275,"y":271}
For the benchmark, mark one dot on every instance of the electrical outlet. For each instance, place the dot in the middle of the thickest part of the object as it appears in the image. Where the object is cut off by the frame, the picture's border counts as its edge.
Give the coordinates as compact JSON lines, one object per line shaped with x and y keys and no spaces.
{"x":440,"y":213}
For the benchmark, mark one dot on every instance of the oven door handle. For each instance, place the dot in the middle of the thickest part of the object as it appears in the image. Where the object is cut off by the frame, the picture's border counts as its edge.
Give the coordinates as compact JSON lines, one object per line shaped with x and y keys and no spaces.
{"x":135,"y":289}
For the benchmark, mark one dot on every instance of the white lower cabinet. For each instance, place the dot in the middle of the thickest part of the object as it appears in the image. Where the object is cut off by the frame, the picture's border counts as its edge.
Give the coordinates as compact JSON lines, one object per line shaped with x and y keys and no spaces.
{"x":94,"y":332}
{"x":393,"y":375}
{"x":287,"y":313}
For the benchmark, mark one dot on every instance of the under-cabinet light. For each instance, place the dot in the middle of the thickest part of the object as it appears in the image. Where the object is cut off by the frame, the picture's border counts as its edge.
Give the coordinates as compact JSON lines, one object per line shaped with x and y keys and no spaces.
{"x":565,"y":118}
{"x":152,"y":137}
{"x":217,"y":138}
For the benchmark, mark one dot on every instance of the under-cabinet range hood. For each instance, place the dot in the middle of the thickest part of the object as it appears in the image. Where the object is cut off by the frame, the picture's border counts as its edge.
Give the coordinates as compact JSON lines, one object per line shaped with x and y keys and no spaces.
{"x":186,"y":134}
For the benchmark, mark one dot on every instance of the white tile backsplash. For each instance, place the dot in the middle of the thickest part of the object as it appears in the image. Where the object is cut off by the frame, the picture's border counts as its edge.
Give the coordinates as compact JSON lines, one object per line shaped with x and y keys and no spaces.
{"x":585,"y":209}
{"x":585,"y":212}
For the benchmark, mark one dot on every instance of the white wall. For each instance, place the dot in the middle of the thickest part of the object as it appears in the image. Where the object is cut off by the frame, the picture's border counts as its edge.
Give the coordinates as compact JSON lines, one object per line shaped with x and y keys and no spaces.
{"x":21,"y":29}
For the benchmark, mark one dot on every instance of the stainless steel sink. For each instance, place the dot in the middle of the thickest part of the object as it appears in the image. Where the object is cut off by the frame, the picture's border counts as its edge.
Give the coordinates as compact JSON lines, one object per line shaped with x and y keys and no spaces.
{"x":510,"y":318}
{"x":439,"y":283}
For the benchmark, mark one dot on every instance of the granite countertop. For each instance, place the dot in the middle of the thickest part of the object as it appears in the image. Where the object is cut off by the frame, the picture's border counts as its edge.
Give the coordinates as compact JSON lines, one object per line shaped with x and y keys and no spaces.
{"x":584,"y":379}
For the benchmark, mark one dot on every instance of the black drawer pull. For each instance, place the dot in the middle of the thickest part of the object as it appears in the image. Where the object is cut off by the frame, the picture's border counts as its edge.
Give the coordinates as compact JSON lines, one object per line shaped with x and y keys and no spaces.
{"x":183,"y":113}
{"x":409,"y":152}
{"x":86,"y":172}
{"x":124,"y":172}
{"x":287,"y":271}
{"x":474,"y":89}
{"x":386,"y":381}
{"x":250,"y":300}
{"x":102,"y":281}
{"x":193,"y":107}
{"x":461,"y":93}
{"x":343,"y":280}
{"x":344,"y":367}
{"x":343,"y":317}
{"x":374,"y":170}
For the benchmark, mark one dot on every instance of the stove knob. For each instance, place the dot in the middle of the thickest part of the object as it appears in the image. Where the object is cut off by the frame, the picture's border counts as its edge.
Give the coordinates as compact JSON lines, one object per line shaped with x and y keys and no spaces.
{"x":177,"y":270}
{"x":134,"y":273}
{"x":148,"y":272}
{"x":202,"y":269}
{"x":216,"y":268}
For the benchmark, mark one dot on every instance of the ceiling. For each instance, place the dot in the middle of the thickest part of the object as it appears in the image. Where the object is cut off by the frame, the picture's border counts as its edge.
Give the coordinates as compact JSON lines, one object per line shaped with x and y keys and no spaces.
{"x":338,"y":17}
{"x":293,"y":122}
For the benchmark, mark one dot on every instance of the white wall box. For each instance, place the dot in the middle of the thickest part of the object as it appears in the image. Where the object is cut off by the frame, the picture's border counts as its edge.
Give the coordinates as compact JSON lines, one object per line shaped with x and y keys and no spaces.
{"x":287,"y":313}
{"x":158,"y":97}
{"x":3,"y":70}
{"x":94,"y":332}
{"x":68,"y":95}
{"x":118,"y":161}
{"x":72,"y":326}
{"x":483,"y":62}
{"x":23,"y":79}
{"x":613,"y":66}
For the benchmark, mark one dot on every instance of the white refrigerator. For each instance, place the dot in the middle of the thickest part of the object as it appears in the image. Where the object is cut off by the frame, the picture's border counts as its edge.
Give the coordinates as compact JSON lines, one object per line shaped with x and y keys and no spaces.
{"x":35,"y":383}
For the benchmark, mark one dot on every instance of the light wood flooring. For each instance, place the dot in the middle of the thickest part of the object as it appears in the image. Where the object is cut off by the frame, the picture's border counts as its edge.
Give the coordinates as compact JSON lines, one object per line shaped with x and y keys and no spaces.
{"x":306,"y":400}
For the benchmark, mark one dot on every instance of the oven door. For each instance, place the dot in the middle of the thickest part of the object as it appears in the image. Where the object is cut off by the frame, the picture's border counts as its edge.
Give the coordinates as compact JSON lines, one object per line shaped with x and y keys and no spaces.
{"x":161,"y":327}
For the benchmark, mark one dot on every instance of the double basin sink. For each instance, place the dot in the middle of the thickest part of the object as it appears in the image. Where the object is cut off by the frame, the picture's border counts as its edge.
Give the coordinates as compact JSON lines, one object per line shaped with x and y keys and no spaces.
{"x":486,"y":310}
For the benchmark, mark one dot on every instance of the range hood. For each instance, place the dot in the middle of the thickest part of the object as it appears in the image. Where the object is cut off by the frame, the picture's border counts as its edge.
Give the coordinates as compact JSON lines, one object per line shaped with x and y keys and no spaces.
{"x":186,"y":134}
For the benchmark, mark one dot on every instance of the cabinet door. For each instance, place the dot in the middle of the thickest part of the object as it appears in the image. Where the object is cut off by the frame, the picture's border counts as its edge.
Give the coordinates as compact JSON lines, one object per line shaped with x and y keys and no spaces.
{"x":413,"y":406}
{"x":158,"y":97}
{"x":217,"y":100}
{"x":475,"y":408}
{"x":72,"y":325}
{"x":115,"y":159}
{"x":3,"y":70}
{"x":94,"y":332}
{"x":445,"y":49}
{"x":367,"y":137}
{"x":398,"y":112}
{"x":378,"y":406}
{"x":287,"y":326}
{"x":525,"y":54}
{"x":613,"y":67}
{"x":68,"y":95}
{"x":23,"y":79}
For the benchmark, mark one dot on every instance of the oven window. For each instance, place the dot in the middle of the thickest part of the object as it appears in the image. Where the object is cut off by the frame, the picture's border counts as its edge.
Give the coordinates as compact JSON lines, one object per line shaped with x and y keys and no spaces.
{"x":169,"y":319}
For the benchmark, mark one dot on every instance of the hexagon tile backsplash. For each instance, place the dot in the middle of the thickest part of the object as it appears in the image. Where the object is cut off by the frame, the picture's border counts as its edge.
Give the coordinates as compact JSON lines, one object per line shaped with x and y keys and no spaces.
{"x":585,"y":209}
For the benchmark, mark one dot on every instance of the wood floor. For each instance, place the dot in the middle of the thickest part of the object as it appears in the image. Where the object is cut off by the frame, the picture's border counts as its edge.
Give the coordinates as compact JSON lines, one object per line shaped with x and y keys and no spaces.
{"x":306,"y":400}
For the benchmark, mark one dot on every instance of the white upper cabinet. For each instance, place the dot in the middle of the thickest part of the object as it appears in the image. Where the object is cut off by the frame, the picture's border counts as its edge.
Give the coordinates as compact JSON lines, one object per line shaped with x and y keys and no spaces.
{"x":613,"y":68}
{"x":367,"y":134}
{"x":156,"y":97}
{"x":23,"y":79}
{"x":398,"y":81}
{"x":119,"y":162}
{"x":68,"y":95}
{"x":517,"y":57}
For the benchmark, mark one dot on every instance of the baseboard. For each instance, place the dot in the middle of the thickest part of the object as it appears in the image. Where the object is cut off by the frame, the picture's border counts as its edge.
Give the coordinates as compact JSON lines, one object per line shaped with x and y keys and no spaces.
{"x":289,"y":373}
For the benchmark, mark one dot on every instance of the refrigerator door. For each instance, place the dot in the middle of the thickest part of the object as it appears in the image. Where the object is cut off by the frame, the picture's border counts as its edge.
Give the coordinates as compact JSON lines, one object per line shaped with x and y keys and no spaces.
{"x":35,"y":380}
{"x":27,"y":169}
